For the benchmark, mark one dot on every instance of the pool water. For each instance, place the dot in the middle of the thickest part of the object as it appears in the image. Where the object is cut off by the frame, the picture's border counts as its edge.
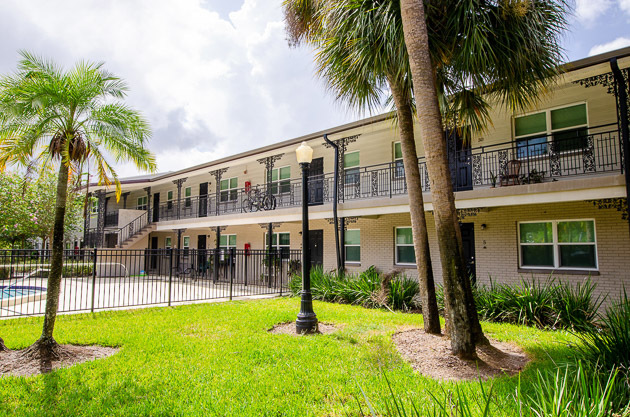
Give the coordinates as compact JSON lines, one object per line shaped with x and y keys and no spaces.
{"x":13,"y":292}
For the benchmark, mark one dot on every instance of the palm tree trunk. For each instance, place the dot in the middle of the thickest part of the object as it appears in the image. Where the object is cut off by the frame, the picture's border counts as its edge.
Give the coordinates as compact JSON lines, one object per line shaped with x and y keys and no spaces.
{"x":3,"y":348}
{"x":464,"y":327}
{"x":46,"y":345}
{"x":430,"y":313}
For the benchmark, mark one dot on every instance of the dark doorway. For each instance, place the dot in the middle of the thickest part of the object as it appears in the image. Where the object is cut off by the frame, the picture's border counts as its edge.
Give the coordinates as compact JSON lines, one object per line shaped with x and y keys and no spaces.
{"x":154,"y":248}
{"x":201,"y":253}
{"x":468,"y":242}
{"x":203,"y":202}
{"x":316,"y":182}
{"x":156,"y":208}
{"x":111,"y":240}
{"x":460,"y":160}
{"x":316,"y":246}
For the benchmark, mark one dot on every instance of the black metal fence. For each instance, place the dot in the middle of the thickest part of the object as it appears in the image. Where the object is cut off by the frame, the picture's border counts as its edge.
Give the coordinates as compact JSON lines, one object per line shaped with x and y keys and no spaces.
{"x":110,"y":279}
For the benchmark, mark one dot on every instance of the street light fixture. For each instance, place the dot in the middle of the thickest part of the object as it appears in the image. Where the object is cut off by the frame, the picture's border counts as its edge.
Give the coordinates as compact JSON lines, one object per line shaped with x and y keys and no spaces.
{"x":306,"y":319}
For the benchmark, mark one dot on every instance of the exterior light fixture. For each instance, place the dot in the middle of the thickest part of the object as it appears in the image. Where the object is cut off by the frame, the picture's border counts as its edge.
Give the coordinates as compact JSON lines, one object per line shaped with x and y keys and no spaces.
{"x":304,"y":153}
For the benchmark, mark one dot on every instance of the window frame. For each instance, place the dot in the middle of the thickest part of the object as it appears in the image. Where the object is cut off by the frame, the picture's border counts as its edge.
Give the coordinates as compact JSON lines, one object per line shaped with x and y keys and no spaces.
{"x":169,"y":199}
{"x":398,"y":164}
{"x":356,"y":177}
{"x":278,"y":246}
{"x":168,"y":242}
{"x":94,"y":206}
{"x":188,"y":197}
{"x":144,"y":205}
{"x":227,"y":239}
{"x":230,"y":192}
{"x":280,"y":185}
{"x":396,"y":245}
{"x":186,"y":246}
{"x":547,"y":133}
{"x":556,"y":246}
{"x":345,"y":246}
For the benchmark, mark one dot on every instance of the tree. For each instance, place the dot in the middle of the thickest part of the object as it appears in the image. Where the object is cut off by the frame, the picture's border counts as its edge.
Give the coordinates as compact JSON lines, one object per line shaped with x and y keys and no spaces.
{"x":508,"y":50}
{"x":359,"y":68}
{"x":53,"y":117}
{"x":463,"y":55}
{"x":32,"y":211}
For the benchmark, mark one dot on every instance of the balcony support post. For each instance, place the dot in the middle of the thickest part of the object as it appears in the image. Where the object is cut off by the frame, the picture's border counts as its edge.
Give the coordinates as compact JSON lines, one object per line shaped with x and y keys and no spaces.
{"x":124,"y":196}
{"x":148,"y":190}
{"x":179,"y":183}
{"x":269,"y":162}
{"x":622,"y":101}
{"x":217,"y":174}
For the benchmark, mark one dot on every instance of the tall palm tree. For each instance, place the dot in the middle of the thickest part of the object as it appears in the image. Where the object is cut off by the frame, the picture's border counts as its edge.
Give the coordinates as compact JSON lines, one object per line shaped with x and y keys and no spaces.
{"x":510,"y":50}
{"x":359,"y":67}
{"x":49,"y":116}
{"x":465,"y":55}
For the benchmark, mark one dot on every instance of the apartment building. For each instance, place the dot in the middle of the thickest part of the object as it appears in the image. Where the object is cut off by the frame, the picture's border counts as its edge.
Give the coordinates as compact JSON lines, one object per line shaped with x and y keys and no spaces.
{"x":541,"y":191}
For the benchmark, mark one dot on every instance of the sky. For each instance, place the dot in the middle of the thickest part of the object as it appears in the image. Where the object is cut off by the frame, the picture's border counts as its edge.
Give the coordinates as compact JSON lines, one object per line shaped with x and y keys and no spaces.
{"x":217,"y":77}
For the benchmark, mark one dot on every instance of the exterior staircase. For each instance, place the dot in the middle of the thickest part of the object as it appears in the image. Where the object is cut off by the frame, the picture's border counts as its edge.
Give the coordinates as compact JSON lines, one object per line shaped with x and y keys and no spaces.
{"x":136,"y":237}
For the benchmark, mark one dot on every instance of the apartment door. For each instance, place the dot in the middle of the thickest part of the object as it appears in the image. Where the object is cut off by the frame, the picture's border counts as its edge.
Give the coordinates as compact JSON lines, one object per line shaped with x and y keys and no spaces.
{"x":468,"y":242}
{"x":460,"y":160}
{"x":316,"y":182}
{"x":316,"y":246}
{"x":203,"y":201}
{"x":201,"y":252}
{"x":156,"y":208}
{"x":154,"y":255}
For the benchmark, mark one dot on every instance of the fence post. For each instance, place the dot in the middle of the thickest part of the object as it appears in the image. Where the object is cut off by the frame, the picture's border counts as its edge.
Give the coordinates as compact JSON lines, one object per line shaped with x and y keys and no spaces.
{"x":94,"y":254}
{"x":245,"y":261}
{"x":281,"y":272}
{"x":170,"y":274}
{"x":232,"y":263}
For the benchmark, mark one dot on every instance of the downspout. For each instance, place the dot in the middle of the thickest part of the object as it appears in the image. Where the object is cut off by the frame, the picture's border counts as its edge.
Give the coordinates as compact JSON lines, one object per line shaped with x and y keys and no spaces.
{"x":335,"y":190}
{"x":622,"y":96}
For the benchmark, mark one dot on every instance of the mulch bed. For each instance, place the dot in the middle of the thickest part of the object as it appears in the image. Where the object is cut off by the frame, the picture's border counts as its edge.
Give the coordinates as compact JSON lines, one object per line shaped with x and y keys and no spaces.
{"x":15,"y":363}
{"x":289,"y":328}
{"x":430,"y":355}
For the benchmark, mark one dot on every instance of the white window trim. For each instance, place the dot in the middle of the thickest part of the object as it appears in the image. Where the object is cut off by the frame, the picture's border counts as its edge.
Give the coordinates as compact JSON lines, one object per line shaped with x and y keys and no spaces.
{"x":395,"y":160}
{"x":170,"y":195}
{"x":94,"y":207}
{"x":396,"y":244}
{"x":352,"y":245}
{"x":279,"y":181}
{"x":228,"y":190}
{"x":549,"y":131}
{"x":144,"y":204}
{"x":166,"y":239}
{"x":228,"y":246}
{"x":556,"y":246}
{"x":188,"y":199}
{"x":184,"y":246}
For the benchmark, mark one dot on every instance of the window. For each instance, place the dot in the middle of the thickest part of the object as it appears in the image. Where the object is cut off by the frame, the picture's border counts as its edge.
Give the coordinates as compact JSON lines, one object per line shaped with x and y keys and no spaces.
{"x":351,"y":167}
{"x":280,"y":180}
{"x":568,"y":244}
{"x":567,"y":127}
{"x":186,"y":245}
{"x":352,"y":245}
{"x":168,"y":242}
{"x":281,"y":242}
{"x":399,"y":168}
{"x":405,"y":253}
{"x":227,"y":241}
{"x":94,"y":207}
{"x":228,"y":189}
{"x":187,"y":195}
{"x":142,"y":203}
{"x":169,"y":200}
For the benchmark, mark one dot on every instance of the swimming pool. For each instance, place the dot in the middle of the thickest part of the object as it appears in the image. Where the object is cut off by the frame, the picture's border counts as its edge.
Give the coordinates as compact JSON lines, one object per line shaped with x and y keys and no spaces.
{"x":19,"y":291}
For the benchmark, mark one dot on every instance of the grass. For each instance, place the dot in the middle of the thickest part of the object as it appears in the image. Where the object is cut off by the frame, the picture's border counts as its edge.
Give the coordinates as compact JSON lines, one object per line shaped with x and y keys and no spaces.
{"x":218,"y":359}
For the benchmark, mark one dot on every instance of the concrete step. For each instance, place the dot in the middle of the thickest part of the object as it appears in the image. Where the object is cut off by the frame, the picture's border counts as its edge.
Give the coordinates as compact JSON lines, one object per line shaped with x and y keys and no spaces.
{"x":128,"y":243}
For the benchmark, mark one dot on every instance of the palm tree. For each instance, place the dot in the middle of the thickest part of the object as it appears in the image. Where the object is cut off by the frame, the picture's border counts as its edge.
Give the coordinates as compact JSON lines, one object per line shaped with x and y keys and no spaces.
{"x":49,"y":116}
{"x":465,"y":54}
{"x":510,"y":51}
{"x":358,"y":68}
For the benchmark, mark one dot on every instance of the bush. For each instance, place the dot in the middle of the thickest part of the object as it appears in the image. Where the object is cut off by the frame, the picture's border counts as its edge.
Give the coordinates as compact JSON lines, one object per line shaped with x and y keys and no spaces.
{"x":68,"y":271}
{"x":360,"y":289}
{"x":548,"y":304}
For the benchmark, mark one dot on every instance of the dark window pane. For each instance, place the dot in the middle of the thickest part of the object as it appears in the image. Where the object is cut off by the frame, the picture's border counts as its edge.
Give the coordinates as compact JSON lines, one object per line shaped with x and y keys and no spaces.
{"x":568,"y":116}
{"x":533,"y":123}
{"x":535,"y":255}
{"x":406,"y":255}
{"x":353,"y":253}
{"x":570,"y":140}
{"x":577,"y":256}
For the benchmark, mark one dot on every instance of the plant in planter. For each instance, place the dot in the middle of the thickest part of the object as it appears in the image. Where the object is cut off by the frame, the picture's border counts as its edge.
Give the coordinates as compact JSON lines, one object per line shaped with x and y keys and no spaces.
{"x":534,"y":177}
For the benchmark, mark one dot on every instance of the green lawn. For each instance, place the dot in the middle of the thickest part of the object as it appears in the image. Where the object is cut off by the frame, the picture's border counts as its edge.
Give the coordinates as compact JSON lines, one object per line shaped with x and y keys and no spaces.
{"x":219,"y":359}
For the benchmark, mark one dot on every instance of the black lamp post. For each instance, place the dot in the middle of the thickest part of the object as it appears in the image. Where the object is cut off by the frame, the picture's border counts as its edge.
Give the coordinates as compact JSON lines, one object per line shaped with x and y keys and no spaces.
{"x":306,"y":319}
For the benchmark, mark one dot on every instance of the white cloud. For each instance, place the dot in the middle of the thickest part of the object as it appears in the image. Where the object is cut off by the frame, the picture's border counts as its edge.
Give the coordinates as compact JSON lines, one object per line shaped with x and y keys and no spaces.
{"x":624,"y":5}
{"x":587,"y":11}
{"x":210,"y":86}
{"x":610,"y":46}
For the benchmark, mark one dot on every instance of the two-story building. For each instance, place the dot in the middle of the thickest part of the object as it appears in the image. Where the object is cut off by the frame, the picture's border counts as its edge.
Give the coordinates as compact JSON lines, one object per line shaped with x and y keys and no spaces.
{"x":542,"y":191}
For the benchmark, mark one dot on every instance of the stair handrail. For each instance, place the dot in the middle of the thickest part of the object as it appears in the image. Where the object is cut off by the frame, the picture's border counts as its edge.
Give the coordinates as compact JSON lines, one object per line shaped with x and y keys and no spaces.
{"x":130,"y":229}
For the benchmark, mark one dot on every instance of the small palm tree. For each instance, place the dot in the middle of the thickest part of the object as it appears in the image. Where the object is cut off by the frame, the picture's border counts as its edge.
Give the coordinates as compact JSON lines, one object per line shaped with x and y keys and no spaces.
{"x":49,"y":116}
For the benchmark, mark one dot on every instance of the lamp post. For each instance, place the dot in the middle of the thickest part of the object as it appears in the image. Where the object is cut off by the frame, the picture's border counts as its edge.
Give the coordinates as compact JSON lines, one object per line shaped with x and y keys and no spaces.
{"x":306,"y":319}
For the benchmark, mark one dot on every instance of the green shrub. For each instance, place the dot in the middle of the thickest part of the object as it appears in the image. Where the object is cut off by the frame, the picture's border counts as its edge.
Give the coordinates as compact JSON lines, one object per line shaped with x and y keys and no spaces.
{"x":68,"y":271}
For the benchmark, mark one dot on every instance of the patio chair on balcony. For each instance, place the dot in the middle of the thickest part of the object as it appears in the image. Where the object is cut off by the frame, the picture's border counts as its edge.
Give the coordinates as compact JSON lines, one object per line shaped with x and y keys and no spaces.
{"x":512,"y":173}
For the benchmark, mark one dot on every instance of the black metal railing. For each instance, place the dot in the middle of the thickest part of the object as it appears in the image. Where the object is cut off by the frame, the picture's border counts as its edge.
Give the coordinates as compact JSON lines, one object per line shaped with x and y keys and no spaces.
{"x":592,"y":151}
{"x":107,"y":279}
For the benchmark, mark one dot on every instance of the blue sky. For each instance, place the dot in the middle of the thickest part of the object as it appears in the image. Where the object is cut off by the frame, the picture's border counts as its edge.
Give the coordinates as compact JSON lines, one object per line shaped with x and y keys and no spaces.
{"x":216,"y":77}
